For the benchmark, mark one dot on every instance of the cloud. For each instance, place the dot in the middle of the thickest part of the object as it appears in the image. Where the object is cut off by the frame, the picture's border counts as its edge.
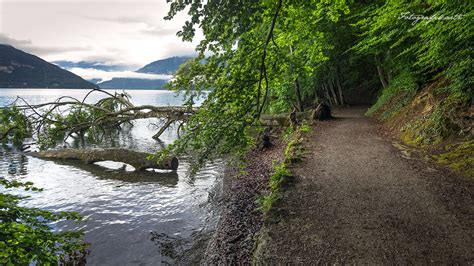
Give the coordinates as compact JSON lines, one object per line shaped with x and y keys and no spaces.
{"x":28,"y":46}
{"x":118,"y":19}
{"x":125,"y":32}
{"x":159,"y":31}
{"x":92,"y":73}
{"x":5,"y":39}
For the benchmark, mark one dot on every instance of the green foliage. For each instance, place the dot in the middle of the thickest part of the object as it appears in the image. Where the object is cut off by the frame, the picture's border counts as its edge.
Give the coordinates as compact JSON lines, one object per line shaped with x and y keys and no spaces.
{"x":289,"y":54}
{"x":410,"y":37}
{"x":276,"y":179}
{"x":305,"y":128}
{"x":25,"y":234}
{"x":398,"y":94}
{"x":257,"y":64}
{"x":267,"y":201}
{"x":14,"y":126}
{"x":430,"y":129}
{"x":52,"y":123}
{"x":436,"y":125}
{"x":281,"y":173}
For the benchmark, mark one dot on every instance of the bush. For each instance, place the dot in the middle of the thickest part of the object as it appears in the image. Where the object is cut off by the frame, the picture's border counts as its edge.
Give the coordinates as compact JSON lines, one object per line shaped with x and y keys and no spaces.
{"x":25,"y":234}
{"x":398,"y":94}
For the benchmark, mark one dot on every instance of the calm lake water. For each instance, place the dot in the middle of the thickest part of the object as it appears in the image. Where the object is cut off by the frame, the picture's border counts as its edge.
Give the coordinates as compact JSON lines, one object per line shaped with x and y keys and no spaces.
{"x":123,"y":209}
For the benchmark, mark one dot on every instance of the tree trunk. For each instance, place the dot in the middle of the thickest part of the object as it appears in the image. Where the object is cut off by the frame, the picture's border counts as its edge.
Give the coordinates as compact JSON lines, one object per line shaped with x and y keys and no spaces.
{"x":297,"y":89}
{"x":298,"y":95}
{"x":88,"y":156}
{"x":387,"y":70}
{"x":326,"y":93}
{"x":281,"y":119}
{"x":333,"y":93}
{"x":380,"y":71}
{"x":339,"y":87}
{"x":321,"y":112}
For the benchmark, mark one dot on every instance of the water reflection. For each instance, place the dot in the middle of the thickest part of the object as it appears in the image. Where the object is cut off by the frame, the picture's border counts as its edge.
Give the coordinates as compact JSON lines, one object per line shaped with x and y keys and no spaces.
{"x":164,"y":178}
{"x":14,"y":163}
{"x":121,"y":207}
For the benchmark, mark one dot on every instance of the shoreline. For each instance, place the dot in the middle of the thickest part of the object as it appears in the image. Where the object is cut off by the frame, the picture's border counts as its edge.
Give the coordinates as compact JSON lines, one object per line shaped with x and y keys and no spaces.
{"x":239,"y":218}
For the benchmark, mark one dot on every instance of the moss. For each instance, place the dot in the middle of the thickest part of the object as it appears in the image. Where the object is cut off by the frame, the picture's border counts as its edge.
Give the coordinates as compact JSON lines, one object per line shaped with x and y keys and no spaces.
{"x":428,"y":130}
{"x":281,"y":173}
{"x":459,"y":157}
{"x":434,"y":126}
{"x":293,"y":151}
{"x":429,"y":118}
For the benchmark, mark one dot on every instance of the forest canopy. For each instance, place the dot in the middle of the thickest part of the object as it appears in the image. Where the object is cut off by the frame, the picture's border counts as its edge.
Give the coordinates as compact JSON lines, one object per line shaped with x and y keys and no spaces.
{"x":267,"y":57}
{"x":276,"y":56}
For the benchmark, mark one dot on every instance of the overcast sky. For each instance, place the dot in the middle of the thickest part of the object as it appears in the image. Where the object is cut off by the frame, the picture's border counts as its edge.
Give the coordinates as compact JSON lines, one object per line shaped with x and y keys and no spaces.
{"x":124,"y":32}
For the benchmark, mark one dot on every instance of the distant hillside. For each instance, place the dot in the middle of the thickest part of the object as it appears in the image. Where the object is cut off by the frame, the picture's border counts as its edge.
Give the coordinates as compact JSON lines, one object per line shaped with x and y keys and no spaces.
{"x":133,"y":83}
{"x":89,"y":64}
{"x":22,"y":70}
{"x":164,"y":66}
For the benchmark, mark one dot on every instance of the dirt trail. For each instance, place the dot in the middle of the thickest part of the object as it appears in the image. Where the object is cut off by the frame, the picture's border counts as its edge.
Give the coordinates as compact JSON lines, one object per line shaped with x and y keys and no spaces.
{"x":358,"y":199}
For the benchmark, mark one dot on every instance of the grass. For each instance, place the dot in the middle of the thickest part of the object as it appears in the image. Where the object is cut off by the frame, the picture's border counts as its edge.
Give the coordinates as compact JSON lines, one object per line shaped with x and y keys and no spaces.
{"x":281,"y":173}
{"x":277,"y":178}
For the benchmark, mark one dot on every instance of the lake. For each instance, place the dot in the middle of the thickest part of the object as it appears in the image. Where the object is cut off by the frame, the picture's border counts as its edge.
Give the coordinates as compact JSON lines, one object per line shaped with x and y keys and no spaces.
{"x":124,"y":210}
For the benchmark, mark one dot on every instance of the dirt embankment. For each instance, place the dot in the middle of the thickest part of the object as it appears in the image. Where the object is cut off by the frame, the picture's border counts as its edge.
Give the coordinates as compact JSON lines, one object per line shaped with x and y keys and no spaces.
{"x":234,"y":239}
{"x":358,"y":199}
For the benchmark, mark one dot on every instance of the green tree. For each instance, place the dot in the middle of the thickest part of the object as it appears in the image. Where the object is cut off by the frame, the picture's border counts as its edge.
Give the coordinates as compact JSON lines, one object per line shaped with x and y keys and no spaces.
{"x":255,"y":65}
{"x":26,"y":235}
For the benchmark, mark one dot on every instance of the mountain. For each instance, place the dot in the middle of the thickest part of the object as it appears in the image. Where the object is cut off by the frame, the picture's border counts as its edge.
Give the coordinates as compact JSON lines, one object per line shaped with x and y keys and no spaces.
{"x":89,"y":64}
{"x":164,"y":66}
{"x":22,"y":70}
{"x":95,"y":81}
{"x":133,"y":83}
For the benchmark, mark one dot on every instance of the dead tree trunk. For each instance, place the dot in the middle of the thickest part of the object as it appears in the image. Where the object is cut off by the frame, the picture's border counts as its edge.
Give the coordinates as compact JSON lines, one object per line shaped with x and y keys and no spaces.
{"x":163,"y":128}
{"x":134,"y":158}
{"x":321,"y":112}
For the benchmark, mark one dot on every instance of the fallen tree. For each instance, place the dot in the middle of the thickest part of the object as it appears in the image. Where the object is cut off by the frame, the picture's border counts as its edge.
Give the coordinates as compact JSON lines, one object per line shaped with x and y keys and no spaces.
{"x":283,"y":119}
{"x":88,"y":156}
{"x":67,"y":116}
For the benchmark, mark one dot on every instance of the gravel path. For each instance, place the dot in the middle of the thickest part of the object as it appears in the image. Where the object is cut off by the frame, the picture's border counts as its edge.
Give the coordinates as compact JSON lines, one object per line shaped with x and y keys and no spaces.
{"x":359,"y":199}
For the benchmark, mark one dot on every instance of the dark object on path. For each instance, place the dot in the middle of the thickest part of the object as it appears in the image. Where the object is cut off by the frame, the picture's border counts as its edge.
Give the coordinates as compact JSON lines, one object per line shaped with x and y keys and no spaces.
{"x":294,"y":119}
{"x":322,"y":112}
{"x":88,"y":156}
{"x":266,"y":139}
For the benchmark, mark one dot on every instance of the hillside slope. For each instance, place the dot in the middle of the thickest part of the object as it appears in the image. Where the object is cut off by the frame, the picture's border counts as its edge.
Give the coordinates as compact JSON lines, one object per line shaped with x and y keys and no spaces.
{"x":164,"y":66}
{"x":22,"y":70}
{"x":435,"y":120}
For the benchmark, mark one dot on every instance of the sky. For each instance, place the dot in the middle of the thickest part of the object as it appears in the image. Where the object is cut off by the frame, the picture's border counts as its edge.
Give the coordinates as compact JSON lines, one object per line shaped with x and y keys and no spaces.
{"x":129,"y":33}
